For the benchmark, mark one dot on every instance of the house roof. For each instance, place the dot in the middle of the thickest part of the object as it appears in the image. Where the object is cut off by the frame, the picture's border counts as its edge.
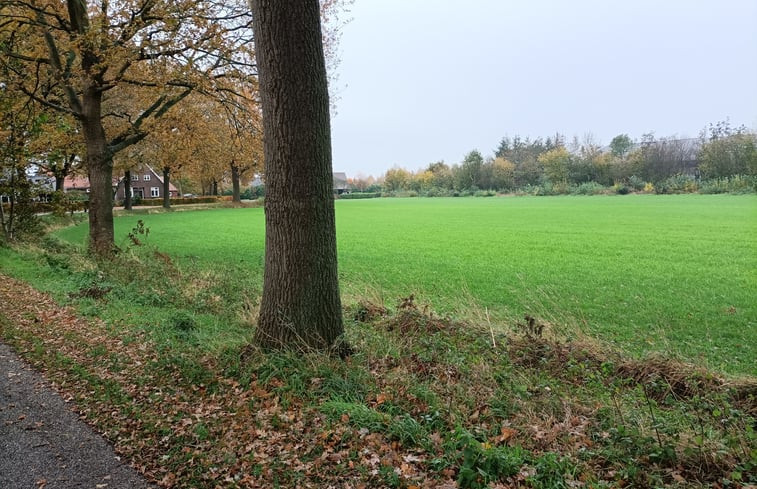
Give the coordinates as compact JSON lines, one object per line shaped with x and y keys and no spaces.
{"x":76,"y":182}
{"x":82,"y":183}
{"x":340,"y":180}
{"x":160,"y":178}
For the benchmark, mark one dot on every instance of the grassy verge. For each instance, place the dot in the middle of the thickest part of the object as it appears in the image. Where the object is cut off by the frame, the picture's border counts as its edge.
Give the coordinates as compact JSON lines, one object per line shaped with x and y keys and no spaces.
{"x":158,"y":358}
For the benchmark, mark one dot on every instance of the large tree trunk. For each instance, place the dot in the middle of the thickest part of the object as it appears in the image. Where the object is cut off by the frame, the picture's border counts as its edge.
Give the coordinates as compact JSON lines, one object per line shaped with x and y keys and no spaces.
{"x":100,"y":172}
{"x":166,"y":187}
{"x":301,"y":306}
{"x":127,"y":190}
{"x":235,"y":194}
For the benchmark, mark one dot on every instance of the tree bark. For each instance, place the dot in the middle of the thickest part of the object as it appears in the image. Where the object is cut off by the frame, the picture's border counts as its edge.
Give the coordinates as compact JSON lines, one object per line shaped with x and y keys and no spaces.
{"x":300,"y":306}
{"x":166,"y":187}
{"x":100,"y":172}
{"x":127,"y":190}
{"x":235,"y":194}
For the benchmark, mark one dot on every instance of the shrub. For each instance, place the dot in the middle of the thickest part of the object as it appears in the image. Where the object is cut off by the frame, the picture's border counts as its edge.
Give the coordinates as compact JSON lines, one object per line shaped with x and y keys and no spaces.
{"x":588,"y":188}
{"x":736,"y":184}
{"x":677,"y":184}
{"x":209,"y":199}
{"x":636,"y":183}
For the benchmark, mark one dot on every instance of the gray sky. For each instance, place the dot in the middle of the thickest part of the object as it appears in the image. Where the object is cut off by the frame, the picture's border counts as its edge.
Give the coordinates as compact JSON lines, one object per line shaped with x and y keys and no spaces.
{"x":428,"y":80}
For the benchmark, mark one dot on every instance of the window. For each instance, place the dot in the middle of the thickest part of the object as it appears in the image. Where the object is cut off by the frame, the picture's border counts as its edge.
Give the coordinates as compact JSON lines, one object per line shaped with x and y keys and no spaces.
{"x":146,"y":178}
{"x":154,"y":192}
{"x":135,"y":178}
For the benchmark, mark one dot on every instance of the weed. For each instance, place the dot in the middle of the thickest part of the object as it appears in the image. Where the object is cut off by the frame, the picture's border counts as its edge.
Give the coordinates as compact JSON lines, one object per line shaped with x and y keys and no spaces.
{"x":551,"y":471}
{"x":358,"y":415}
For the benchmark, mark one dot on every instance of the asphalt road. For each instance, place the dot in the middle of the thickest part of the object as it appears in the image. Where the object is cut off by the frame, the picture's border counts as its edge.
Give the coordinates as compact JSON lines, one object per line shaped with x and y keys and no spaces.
{"x":44,"y":445}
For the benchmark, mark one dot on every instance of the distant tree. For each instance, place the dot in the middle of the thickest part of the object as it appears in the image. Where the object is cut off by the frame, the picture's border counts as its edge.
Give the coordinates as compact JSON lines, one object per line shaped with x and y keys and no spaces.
{"x":590,"y":163}
{"x":659,"y":158}
{"x":301,"y":307}
{"x":421,"y":181}
{"x":502,"y":174}
{"x":524,"y":153}
{"x":396,"y":179}
{"x":56,"y":145}
{"x":361,"y":183}
{"x":441,"y":175}
{"x":621,"y":145}
{"x":469,"y":174}
{"x":727,"y":151}
{"x":557,"y":164}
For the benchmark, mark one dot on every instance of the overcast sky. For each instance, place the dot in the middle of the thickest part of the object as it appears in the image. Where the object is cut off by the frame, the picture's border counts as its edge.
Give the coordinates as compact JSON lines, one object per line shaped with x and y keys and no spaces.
{"x":428,"y":80}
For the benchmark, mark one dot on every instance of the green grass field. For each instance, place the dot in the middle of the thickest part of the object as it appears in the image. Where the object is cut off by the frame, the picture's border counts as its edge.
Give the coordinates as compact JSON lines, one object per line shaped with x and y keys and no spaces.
{"x":672,"y":274}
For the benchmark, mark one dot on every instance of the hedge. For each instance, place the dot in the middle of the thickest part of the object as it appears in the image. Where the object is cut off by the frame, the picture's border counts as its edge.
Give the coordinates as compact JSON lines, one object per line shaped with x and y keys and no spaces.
{"x":210,"y":199}
{"x":360,"y":195}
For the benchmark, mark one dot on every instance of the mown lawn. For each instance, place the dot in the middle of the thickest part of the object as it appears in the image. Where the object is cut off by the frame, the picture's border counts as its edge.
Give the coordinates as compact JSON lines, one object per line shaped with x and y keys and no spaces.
{"x":674,"y":274}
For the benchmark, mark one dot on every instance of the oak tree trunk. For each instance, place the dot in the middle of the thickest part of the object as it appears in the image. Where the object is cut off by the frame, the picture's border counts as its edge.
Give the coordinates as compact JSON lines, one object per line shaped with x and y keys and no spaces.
{"x":100,"y":172}
{"x":166,"y":187}
{"x":127,"y":190}
{"x":235,"y":194}
{"x":301,"y":306}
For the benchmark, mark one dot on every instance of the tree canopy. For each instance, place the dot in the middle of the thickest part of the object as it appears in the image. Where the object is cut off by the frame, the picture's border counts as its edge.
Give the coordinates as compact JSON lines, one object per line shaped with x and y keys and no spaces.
{"x":115,"y":66}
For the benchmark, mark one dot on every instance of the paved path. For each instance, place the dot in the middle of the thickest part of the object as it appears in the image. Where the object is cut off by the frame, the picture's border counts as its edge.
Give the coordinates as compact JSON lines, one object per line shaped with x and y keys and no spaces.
{"x":44,"y":445}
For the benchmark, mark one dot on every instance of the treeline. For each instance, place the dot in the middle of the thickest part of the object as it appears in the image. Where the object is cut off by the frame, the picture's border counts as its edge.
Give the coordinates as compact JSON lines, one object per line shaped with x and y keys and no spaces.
{"x":722,"y":159}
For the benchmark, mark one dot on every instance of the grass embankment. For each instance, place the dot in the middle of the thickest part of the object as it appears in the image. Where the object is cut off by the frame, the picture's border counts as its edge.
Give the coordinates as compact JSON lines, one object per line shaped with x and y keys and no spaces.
{"x":161,"y":363}
{"x":669,"y":274}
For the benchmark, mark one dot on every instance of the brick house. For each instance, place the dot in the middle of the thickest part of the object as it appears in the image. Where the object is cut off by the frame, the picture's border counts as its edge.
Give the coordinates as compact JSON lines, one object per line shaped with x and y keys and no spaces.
{"x":147,"y":184}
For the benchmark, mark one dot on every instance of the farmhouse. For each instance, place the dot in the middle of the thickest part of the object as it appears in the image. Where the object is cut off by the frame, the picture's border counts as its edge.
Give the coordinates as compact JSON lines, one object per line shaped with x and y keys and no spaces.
{"x":340,"y":183}
{"x":146,"y":183}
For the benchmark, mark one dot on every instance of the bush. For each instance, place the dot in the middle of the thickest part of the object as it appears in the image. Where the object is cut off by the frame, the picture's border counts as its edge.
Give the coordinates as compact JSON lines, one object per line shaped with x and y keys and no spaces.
{"x":589,"y":188}
{"x":736,"y":184}
{"x":636,"y":183}
{"x":677,"y":184}
{"x":210,"y":199}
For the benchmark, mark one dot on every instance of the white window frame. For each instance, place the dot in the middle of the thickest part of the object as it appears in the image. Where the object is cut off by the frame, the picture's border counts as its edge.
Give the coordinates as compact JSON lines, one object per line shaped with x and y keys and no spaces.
{"x":146,"y":178}
{"x":154,"y":192}
{"x":135,"y":178}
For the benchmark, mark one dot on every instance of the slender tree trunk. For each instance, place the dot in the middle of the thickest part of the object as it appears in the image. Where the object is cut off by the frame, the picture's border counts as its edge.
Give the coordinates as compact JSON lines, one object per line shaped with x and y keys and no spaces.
{"x":236,"y":196}
{"x":60,"y":174}
{"x":214,"y":190}
{"x":301,"y":306}
{"x":59,"y":178}
{"x":127,"y":190}
{"x":100,"y":171}
{"x":166,"y":187}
